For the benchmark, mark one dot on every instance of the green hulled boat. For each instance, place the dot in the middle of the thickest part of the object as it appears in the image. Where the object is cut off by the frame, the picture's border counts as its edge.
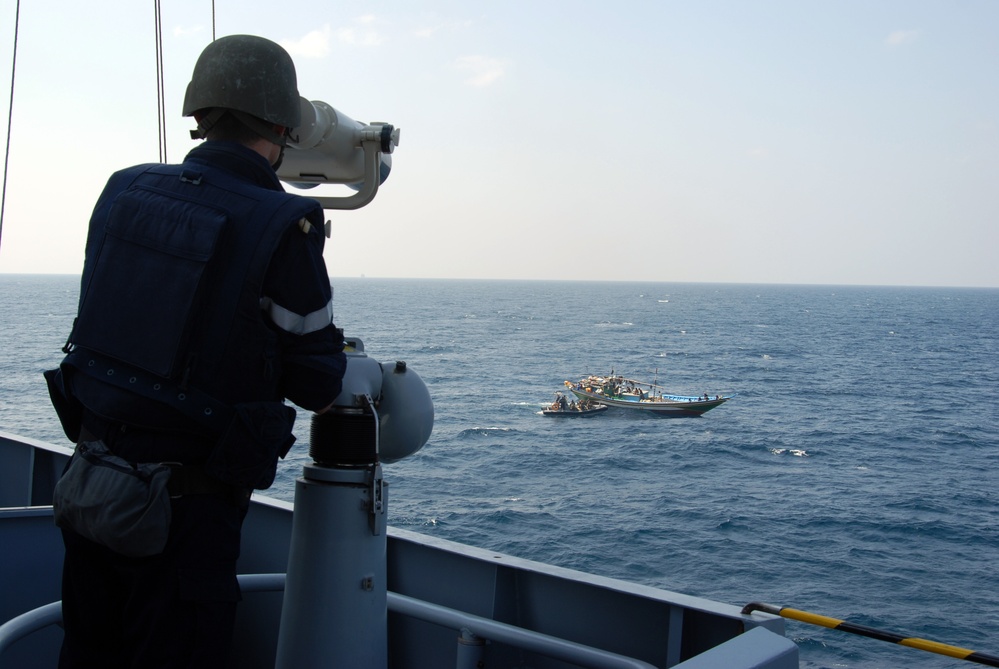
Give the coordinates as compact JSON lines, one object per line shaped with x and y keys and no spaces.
{"x":620,"y":392}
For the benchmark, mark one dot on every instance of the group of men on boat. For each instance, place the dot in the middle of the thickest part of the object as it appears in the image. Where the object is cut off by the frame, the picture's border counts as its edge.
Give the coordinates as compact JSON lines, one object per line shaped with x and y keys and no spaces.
{"x":562,"y":403}
{"x":622,"y":388}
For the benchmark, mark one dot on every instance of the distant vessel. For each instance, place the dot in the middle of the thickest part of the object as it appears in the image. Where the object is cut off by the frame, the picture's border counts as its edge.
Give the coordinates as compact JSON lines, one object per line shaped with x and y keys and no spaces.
{"x":617,"y":391}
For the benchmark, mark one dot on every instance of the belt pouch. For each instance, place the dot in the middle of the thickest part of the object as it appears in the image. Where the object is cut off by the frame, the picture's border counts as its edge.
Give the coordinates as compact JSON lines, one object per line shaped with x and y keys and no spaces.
{"x":67,"y":407}
{"x":259,"y":433}
{"x":107,"y":500}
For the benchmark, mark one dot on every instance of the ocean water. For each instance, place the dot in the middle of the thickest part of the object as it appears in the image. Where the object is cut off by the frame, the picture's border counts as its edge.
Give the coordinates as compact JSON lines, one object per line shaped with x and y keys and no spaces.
{"x":855,"y":474}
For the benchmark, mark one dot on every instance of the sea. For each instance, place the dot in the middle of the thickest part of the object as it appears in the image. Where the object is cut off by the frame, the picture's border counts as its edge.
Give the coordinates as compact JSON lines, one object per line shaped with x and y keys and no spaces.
{"x":855,"y":474}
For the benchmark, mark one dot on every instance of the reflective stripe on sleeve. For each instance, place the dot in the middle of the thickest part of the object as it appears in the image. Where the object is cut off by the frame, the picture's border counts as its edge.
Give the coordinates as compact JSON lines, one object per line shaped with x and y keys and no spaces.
{"x":291,"y":322}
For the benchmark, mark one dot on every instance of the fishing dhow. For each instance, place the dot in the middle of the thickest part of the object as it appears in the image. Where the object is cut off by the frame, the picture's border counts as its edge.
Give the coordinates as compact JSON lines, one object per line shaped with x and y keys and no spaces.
{"x":617,"y":391}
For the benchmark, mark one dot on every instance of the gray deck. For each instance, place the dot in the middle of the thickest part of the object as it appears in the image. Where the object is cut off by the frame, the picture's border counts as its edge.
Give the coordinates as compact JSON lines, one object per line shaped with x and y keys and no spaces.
{"x":658,"y":627}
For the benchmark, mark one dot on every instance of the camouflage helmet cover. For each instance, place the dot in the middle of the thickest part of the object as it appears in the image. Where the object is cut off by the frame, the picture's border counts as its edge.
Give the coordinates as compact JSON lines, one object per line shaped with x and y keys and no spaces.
{"x":249,"y":74}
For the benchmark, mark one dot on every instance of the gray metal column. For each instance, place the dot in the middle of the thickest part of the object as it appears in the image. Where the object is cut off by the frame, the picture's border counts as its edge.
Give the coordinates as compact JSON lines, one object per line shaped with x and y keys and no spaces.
{"x":335,"y":611}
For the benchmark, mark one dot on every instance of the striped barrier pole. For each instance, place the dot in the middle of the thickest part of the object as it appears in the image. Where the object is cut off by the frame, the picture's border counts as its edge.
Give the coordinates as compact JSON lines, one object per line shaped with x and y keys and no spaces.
{"x":871,"y":632}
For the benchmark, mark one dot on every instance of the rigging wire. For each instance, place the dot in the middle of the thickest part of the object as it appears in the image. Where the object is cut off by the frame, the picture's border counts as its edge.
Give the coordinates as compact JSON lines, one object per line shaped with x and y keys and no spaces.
{"x":10,"y":116}
{"x":160,"y":97}
{"x":160,"y":79}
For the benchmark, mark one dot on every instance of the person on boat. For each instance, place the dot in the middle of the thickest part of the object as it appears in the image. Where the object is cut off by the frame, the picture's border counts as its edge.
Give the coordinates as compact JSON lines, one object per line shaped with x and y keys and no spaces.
{"x":205,"y":303}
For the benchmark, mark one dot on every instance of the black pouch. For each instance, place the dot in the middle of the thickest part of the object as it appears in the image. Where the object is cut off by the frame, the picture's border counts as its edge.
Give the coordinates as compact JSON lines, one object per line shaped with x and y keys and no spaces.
{"x":259,"y":433}
{"x":109,"y":501}
{"x":69,"y":410}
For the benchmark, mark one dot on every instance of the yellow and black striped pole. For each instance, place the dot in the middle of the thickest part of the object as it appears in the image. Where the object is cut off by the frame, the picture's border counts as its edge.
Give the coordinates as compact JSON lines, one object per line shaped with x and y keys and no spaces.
{"x":863,"y":630}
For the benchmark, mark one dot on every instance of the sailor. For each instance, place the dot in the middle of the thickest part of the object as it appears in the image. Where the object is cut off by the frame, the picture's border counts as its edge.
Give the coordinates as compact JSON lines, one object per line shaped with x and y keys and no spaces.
{"x":205,"y":302}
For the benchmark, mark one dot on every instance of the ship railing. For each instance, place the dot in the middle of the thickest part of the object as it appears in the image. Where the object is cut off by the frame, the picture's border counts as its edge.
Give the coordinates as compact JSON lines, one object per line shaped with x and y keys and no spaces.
{"x":473,"y":630}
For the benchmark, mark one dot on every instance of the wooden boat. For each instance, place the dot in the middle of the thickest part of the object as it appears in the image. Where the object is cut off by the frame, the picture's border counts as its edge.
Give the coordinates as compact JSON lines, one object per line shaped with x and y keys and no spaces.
{"x":563,"y":407}
{"x":617,"y":391}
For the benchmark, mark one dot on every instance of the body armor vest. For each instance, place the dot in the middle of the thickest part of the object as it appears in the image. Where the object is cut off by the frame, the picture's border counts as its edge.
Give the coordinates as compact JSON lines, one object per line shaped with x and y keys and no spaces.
{"x":170,"y":295}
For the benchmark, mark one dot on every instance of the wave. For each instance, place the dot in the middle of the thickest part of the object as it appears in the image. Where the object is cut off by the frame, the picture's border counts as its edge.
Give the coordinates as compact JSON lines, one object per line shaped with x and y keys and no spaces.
{"x":475,"y":432}
{"x":797,"y":452}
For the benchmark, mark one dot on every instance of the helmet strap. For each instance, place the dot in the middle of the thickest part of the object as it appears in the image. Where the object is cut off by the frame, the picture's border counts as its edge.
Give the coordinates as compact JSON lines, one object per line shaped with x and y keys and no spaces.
{"x":207,"y":122}
{"x":277,"y":164}
{"x":261,"y":127}
{"x":258,"y":126}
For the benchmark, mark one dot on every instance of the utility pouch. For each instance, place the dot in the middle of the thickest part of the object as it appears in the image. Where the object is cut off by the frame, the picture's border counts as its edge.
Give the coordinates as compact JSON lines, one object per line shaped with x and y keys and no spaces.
{"x":109,"y":501}
{"x":69,"y":410}
{"x":246,"y":455}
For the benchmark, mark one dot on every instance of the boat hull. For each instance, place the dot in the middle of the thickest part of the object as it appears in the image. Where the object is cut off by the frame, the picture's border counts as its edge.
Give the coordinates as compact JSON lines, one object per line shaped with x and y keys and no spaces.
{"x":673,"y":405}
{"x":570,"y":413}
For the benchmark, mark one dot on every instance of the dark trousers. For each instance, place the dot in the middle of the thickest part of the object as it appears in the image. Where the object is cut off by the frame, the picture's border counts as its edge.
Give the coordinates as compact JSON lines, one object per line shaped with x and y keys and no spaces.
{"x":169,"y":611}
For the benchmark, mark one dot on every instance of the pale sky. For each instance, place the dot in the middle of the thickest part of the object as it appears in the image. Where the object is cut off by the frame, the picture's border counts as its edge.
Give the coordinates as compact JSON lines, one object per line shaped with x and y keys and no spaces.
{"x":836,"y":142}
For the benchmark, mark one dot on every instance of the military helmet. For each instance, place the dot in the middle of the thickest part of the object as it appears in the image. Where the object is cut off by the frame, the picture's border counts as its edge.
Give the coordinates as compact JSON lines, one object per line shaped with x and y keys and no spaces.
{"x":249,"y":74}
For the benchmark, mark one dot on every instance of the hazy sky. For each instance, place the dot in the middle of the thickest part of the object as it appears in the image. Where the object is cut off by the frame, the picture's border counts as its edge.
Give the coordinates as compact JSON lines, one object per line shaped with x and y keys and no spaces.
{"x":836,"y":142}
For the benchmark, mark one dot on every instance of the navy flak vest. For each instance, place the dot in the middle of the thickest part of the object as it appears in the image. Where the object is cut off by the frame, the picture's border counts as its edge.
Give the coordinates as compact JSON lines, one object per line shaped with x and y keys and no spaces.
{"x":174,"y":272}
